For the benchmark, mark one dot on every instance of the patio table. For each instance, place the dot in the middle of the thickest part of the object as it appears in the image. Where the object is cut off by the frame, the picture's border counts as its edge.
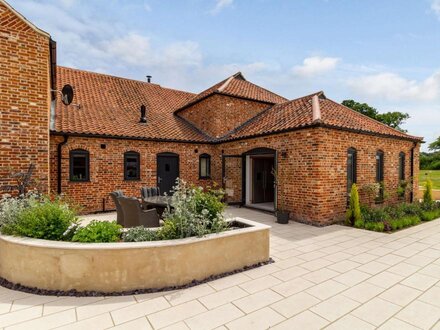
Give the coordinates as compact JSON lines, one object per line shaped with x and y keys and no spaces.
{"x":160,"y":203}
{"x":157,"y":201}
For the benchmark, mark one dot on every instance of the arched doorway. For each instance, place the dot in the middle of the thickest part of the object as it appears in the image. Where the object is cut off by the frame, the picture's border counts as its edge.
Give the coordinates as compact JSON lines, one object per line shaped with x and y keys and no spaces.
{"x":260,"y":190}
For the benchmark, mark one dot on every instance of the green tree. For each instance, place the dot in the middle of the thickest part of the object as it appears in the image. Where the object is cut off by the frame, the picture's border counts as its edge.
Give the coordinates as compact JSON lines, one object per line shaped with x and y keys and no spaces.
{"x":435,"y":146}
{"x":393,"y":119}
{"x":427,"y":195}
{"x":353,"y":216}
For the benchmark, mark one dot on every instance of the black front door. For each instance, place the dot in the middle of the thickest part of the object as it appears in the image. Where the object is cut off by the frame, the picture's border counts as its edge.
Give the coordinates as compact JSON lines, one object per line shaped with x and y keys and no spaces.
{"x":263,"y":180}
{"x":167,"y":171}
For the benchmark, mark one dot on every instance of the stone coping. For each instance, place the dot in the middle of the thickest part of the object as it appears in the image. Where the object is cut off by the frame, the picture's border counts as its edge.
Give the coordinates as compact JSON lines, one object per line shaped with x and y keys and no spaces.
{"x":123,"y":267}
{"x":35,"y":242}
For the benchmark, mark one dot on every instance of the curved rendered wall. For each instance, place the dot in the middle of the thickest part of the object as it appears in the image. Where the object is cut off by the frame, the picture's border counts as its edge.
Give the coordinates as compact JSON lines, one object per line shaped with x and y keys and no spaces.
{"x":115,"y":267}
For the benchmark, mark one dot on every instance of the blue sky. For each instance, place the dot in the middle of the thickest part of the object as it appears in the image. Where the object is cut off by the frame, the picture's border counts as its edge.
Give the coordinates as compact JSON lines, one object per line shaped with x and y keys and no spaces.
{"x":385,"y":53}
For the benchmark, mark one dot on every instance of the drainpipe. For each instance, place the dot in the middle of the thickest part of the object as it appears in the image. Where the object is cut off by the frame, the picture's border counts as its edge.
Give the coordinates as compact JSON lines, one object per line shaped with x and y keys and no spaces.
{"x":412,"y":172}
{"x":59,"y":149}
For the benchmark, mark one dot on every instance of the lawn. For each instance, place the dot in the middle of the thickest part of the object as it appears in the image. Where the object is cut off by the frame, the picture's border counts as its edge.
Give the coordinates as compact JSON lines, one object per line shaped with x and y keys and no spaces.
{"x":434,"y":176}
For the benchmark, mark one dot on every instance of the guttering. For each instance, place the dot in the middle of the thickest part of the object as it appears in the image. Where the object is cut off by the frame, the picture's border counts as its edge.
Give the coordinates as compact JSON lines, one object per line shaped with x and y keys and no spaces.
{"x":226,"y":140}
{"x":59,"y":154}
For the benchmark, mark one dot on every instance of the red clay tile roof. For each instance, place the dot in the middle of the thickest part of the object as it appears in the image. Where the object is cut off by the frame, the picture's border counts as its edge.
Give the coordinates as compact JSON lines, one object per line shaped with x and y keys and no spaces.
{"x":111,"y":106}
{"x":236,"y":85}
{"x":297,"y":113}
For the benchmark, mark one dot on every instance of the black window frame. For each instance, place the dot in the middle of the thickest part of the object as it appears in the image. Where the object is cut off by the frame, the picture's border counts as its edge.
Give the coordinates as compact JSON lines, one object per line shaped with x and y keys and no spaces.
{"x":83,"y":153}
{"x":402,"y":160}
{"x":208,"y":166}
{"x":351,"y":170}
{"x":132,"y":154}
{"x":380,"y":173}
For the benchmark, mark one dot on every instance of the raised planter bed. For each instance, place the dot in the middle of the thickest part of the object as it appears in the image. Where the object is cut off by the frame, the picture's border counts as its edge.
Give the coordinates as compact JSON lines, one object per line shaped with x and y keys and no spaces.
{"x":123,"y":267}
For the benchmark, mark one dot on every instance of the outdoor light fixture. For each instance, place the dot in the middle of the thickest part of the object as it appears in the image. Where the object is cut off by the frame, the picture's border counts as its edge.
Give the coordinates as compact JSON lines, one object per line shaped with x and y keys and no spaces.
{"x":284,"y":154}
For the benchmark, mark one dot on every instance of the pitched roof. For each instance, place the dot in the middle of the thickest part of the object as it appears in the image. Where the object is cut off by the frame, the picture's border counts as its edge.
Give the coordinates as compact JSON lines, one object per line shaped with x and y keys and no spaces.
{"x":236,"y":85}
{"x":298,"y":113}
{"x":111,"y":106}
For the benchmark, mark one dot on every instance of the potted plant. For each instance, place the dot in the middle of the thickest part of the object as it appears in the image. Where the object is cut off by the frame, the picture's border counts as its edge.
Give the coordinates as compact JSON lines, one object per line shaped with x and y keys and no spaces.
{"x":281,"y":214}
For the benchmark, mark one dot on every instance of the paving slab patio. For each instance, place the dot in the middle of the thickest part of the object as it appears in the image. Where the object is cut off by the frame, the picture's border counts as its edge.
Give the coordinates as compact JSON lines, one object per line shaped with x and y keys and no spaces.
{"x":335,"y":277}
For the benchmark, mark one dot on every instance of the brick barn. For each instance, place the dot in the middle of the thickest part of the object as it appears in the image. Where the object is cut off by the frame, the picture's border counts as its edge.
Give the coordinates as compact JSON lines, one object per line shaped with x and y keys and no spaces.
{"x":124,"y":134}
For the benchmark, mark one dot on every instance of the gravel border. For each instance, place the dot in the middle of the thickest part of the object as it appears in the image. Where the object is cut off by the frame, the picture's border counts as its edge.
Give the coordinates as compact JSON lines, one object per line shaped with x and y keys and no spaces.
{"x":74,"y":293}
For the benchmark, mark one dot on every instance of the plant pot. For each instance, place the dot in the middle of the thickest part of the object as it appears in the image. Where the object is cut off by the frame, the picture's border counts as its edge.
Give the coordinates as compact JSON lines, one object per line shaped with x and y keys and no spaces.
{"x":282,"y":217}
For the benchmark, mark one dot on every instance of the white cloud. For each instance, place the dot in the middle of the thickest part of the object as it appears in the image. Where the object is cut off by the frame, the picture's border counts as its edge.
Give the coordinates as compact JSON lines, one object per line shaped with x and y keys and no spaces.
{"x":132,"y":49}
{"x":435,"y":7}
{"x":391,"y":86}
{"x":315,"y":65}
{"x":183,"y":53}
{"x":220,"y":5}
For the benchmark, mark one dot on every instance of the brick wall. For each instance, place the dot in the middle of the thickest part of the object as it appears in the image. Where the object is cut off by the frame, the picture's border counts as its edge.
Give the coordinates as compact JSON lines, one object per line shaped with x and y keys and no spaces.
{"x":218,"y":114}
{"x":24,"y":98}
{"x":313,"y":174}
{"x":332,"y":179}
{"x":106,"y":167}
{"x":312,"y":168}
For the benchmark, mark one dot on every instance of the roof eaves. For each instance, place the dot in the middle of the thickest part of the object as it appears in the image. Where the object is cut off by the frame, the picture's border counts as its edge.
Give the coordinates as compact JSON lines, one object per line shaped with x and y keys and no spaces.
{"x":399,"y":133}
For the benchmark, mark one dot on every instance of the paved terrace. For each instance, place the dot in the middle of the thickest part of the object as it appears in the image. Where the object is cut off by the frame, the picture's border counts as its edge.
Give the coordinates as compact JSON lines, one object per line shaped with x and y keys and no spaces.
{"x":334,"y":277}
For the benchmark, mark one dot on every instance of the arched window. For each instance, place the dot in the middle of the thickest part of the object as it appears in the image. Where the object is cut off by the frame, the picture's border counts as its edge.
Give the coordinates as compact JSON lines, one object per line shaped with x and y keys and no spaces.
{"x":402,"y":166}
{"x":79,"y":165}
{"x":379,"y":166}
{"x":204,"y":166}
{"x":380,"y":173}
{"x":351,"y":168}
{"x":132,"y":165}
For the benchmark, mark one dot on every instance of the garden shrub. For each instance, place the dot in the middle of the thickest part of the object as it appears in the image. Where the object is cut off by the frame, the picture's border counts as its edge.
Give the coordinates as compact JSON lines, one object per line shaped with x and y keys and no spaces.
{"x":139,"y":234}
{"x":195,"y":212}
{"x":353,"y":216}
{"x":11,"y":208}
{"x":429,"y":215}
{"x":427,"y":194}
{"x":375,"y":226}
{"x":98,"y":232}
{"x":376,"y":214}
{"x":41,"y":218}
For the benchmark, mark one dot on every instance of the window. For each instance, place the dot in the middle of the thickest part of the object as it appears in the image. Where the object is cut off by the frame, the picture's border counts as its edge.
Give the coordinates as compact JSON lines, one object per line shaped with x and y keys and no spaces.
{"x":380,"y":173}
{"x":132,"y":165}
{"x":402,"y":166}
{"x":204,"y":166}
{"x":351,"y":168}
{"x":79,"y":165}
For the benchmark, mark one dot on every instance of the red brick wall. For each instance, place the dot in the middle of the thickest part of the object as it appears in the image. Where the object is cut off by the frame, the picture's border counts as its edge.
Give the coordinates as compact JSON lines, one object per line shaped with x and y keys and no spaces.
{"x":219,"y":114}
{"x":332,"y":180}
{"x":24,"y":98}
{"x":106,"y":167}
{"x":312,"y":174}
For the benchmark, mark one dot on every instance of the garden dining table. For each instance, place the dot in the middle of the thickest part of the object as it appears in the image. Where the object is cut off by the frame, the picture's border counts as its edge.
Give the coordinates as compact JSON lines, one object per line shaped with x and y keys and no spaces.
{"x":160,"y":203}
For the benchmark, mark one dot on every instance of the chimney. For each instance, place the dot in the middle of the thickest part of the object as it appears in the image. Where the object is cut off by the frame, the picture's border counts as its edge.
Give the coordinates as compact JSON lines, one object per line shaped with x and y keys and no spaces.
{"x":149,"y":79}
{"x":316,"y":110}
{"x":143,"y":114}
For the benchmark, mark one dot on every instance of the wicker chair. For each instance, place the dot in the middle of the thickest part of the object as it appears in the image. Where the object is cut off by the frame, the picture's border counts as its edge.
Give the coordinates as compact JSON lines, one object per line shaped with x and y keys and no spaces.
{"x":135,"y":216}
{"x":119,"y":214}
{"x":150,"y":192}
